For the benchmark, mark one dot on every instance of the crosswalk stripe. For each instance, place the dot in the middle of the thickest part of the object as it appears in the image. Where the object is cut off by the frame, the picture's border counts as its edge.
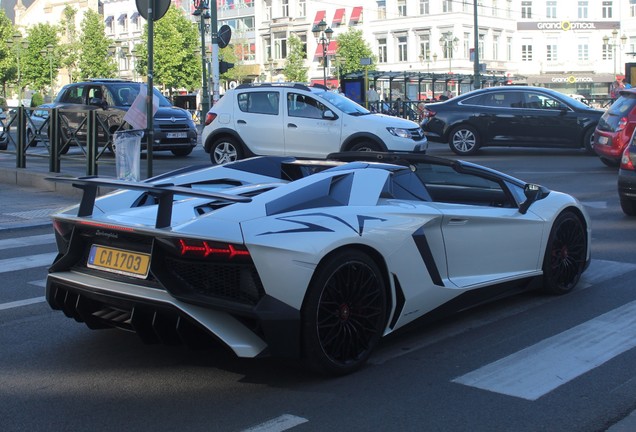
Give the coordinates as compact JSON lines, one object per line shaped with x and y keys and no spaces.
{"x":20,"y":303}
{"x":27,"y":262}
{"x":27,"y":241}
{"x":279,"y":424}
{"x":543,"y":367}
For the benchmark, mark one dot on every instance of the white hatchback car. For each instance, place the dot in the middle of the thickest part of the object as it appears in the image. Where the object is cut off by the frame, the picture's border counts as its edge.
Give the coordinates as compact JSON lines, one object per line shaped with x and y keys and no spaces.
{"x":290,"y":119}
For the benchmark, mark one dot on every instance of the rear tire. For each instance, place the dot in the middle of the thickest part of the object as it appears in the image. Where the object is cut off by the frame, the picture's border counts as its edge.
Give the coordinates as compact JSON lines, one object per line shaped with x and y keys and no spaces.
{"x":182,"y":152}
{"x":565,"y":254}
{"x":225,"y":150}
{"x":344,"y":313}
{"x":464,"y":141}
{"x":612,"y":163}
{"x":588,"y":141}
{"x":628,"y":206}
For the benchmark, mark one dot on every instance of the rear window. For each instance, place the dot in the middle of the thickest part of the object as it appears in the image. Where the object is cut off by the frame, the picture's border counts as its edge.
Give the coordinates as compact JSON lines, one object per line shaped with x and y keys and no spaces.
{"x":623,"y":105}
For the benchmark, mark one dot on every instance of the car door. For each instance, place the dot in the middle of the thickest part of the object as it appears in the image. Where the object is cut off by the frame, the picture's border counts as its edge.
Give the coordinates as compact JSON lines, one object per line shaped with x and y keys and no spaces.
{"x":258,"y":121}
{"x":548,"y":122}
{"x":312,"y":129}
{"x":498,"y":116}
{"x":486,"y":238}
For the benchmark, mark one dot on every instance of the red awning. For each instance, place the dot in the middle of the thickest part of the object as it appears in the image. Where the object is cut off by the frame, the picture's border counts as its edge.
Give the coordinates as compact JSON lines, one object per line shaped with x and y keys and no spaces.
{"x":331,"y":49}
{"x":338,"y":17}
{"x":356,"y":14}
{"x":331,"y":82}
{"x":320,"y":15}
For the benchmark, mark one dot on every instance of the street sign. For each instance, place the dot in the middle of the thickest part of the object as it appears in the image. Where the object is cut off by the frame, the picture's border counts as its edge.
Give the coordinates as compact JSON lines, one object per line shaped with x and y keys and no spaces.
{"x":159,"y":10}
{"x":365,"y":61}
{"x":224,"y":35}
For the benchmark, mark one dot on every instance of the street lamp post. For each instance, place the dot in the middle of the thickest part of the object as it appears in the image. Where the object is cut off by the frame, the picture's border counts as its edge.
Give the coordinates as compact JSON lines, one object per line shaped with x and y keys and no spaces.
{"x":448,"y":43}
{"x":201,"y":11}
{"x":323,"y":34}
{"x":19,"y":43}
{"x":47,"y":53}
{"x":614,"y":44}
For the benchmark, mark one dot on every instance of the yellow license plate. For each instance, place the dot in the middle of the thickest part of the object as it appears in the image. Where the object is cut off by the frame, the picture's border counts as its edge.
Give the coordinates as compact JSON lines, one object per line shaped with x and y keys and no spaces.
{"x":119,"y":261}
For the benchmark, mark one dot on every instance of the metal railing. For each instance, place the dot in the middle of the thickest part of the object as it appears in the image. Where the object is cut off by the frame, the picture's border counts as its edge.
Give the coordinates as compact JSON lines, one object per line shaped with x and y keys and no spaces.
{"x":58,"y":132}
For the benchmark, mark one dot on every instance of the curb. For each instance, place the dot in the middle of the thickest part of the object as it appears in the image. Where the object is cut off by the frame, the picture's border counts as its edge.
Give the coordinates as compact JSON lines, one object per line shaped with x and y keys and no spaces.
{"x":37,"y":180}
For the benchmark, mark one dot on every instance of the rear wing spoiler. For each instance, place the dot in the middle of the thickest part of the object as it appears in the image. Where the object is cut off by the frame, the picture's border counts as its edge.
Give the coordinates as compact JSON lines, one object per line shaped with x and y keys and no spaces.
{"x":164,"y":193}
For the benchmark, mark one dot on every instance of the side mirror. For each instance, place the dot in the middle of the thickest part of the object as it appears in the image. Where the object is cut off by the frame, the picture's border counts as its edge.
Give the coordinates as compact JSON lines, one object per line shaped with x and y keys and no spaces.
{"x":329,"y":115}
{"x":533,"y":193}
{"x":98,"y":102}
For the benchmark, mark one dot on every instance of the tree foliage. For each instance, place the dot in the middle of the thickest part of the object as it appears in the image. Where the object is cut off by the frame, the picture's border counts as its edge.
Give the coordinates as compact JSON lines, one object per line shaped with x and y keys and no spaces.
{"x":40,"y":63}
{"x":8,"y":70}
{"x":351,"y":48}
{"x":69,"y":51}
{"x":295,"y":70}
{"x":176,"y":51}
{"x":95,"y":62}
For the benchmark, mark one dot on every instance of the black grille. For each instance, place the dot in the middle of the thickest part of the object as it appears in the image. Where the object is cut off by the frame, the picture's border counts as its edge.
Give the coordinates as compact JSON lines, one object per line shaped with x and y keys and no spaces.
{"x":231,"y":282}
{"x":417,"y":134}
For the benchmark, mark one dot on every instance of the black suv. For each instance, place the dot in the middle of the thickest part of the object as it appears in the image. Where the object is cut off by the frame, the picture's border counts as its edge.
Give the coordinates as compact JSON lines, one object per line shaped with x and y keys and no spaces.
{"x":174,"y":129}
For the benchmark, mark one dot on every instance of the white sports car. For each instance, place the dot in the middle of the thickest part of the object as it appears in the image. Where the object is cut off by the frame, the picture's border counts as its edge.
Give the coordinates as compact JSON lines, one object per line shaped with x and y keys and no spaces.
{"x":313,"y":259}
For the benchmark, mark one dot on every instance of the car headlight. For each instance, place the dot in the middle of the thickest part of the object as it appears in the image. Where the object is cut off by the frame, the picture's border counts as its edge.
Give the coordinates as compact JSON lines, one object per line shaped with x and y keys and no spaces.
{"x":400,"y":132}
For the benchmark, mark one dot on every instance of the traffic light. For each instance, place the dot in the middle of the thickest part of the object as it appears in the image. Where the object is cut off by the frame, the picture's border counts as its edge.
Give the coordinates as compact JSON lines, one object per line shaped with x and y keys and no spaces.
{"x":225,"y":66}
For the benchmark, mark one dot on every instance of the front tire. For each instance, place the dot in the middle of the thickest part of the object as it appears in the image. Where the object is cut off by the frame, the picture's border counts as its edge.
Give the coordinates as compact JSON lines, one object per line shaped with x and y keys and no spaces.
{"x":182,"y":151}
{"x":565,"y":254}
{"x":344,"y":313}
{"x":225,"y":150}
{"x":464,"y":141}
{"x":366,"y":146}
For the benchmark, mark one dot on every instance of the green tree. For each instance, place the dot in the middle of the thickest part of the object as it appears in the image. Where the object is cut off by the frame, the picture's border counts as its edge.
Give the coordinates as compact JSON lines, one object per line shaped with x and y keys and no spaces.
{"x":351,"y":48}
{"x":41,"y":57}
{"x":176,"y":49}
{"x":8,"y":69}
{"x":70,"y":50}
{"x":295,"y":70}
{"x":94,"y":61}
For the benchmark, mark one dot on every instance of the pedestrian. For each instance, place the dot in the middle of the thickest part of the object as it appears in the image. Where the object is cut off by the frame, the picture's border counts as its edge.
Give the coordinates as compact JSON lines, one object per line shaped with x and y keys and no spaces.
{"x":616,"y":87}
{"x":372,"y":98}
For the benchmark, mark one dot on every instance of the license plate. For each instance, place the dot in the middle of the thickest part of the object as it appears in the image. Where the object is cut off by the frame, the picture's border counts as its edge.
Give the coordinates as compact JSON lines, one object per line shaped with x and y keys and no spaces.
{"x":603,"y":140}
{"x":177,"y":134}
{"x":119,"y":261}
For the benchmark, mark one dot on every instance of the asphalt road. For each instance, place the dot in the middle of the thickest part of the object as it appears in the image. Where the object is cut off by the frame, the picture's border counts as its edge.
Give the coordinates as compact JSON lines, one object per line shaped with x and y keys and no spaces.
{"x":568,"y":362}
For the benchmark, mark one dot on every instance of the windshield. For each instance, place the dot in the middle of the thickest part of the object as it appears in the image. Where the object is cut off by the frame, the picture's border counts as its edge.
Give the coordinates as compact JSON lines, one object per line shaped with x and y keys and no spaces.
{"x":343,"y":103}
{"x":125,"y":93}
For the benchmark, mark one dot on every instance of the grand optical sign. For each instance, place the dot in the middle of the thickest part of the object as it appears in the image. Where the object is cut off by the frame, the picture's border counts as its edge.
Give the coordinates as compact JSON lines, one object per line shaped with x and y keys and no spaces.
{"x":568,"y":25}
{"x":572,"y":79}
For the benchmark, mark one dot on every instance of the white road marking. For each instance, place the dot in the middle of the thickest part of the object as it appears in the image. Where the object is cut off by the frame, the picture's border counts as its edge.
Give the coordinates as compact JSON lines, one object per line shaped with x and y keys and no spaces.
{"x":39,"y":283}
{"x":543,"y":367}
{"x":21,"y":303}
{"x":282,"y":423}
{"x":595,"y":204}
{"x":27,"y":241}
{"x":27,"y":262}
{"x":599,"y":271}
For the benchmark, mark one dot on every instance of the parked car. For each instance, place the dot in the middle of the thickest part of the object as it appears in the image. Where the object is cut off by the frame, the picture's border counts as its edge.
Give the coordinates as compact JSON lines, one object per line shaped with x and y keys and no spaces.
{"x":627,"y":179}
{"x":615,"y":128}
{"x":4,"y":137}
{"x":299,"y":120}
{"x":511,"y":116}
{"x":174,"y":129}
{"x":311,"y":259}
{"x":37,"y":124}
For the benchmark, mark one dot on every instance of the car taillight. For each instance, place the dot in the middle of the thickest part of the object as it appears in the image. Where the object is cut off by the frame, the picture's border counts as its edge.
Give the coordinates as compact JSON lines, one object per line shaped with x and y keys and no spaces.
{"x":209,"y":118}
{"x":626,"y":160}
{"x":208,"y":249}
{"x":621,"y":124}
{"x":428,"y":113}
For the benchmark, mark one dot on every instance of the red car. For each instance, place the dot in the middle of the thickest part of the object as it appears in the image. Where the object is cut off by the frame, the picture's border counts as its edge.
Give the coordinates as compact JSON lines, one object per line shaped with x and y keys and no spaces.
{"x":615,"y":128}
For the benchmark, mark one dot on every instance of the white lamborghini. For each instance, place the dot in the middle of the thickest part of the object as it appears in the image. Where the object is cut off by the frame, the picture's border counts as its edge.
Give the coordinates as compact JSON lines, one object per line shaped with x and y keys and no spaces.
{"x":312,"y":259}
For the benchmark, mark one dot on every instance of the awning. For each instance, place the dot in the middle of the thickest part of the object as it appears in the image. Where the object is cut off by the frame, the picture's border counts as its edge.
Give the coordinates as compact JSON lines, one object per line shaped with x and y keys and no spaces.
{"x":109,"y":19}
{"x":331,"y":49}
{"x":122,"y":17}
{"x":338,"y":17}
{"x":134,"y":15}
{"x":320,"y":15}
{"x":331,"y":82}
{"x":356,"y":14}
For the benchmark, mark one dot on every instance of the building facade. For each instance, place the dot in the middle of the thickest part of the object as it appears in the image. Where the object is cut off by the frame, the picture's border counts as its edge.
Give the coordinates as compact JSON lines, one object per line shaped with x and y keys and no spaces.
{"x":575,"y":46}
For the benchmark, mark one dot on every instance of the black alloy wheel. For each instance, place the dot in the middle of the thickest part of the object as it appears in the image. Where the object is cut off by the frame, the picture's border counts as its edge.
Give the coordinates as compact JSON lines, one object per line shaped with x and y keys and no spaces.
{"x":344,"y":313}
{"x":565,"y":254}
